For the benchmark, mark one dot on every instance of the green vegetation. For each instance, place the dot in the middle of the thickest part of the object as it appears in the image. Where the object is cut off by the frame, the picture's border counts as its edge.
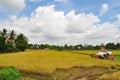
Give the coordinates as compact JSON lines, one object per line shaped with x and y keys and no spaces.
{"x":21,"y":42}
{"x":9,"y":74}
{"x":12,"y":42}
{"x":117,"y":57}
{"x":110,"y":46}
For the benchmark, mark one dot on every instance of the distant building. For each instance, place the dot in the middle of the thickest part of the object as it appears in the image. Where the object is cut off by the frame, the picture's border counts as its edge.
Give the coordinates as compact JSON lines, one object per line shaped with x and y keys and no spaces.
{"x":46,"y":48}
{"x":10,"y":41}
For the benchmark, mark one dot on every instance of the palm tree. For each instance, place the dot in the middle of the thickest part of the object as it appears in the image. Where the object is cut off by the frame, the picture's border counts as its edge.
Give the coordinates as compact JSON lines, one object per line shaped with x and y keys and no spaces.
{"x":3,"y":36}
{"x":3,"y":33}
{"x":12,"y":35}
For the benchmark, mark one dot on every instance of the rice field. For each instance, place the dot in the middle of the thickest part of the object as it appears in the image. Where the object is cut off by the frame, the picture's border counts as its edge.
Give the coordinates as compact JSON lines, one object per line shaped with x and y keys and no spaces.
{"x":47,"y":61}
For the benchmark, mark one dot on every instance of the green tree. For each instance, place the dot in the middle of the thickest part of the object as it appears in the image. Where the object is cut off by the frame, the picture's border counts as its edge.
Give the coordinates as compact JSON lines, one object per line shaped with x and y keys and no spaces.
{"x":4,"y":33}
{"x":118,"y":45}
{"x":12,"y":35}
{"x":21,"y":42}
{"x":2,"y":43}
{"x":111,"y":46}
{"x":66,"y":46}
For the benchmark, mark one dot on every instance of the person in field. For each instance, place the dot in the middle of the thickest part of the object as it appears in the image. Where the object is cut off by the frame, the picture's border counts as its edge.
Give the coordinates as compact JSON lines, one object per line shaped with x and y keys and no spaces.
{"x":104,"y":53}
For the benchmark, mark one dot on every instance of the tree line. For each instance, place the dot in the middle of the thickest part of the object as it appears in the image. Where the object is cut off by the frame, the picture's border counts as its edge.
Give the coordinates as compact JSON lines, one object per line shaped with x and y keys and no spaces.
{"x":111,"y":46}
{"x":10,"y":41}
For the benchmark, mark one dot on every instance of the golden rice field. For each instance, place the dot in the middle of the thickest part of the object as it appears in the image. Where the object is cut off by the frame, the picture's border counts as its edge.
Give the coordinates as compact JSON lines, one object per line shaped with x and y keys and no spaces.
{"x":47,"y":61}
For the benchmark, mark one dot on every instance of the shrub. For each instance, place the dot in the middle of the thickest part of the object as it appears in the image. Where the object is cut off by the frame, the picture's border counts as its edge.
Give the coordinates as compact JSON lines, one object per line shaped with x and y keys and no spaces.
{"x":9,"y":74}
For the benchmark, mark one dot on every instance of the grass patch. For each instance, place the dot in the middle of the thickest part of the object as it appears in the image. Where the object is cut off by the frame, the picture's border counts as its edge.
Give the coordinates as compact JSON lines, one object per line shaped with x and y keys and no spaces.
{"x":117,"y":57}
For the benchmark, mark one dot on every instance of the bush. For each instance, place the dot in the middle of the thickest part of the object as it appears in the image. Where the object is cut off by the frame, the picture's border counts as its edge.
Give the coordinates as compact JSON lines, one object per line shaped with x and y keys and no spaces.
{"x":9,"y":74}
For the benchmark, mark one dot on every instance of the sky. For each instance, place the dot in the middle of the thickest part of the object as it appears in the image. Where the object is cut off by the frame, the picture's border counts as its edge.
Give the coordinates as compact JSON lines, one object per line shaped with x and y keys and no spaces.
{"x":62,"y":22}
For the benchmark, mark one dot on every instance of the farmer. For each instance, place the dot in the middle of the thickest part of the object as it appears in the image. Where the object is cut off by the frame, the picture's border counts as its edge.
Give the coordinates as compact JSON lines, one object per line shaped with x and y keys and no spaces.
{"x":103,"y":53}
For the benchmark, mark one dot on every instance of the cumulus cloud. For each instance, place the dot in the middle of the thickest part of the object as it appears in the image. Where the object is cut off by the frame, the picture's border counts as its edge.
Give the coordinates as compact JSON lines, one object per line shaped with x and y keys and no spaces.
{"x":104,"y":9}
{"x":46,"y":25}
{"x":13,"y":4}
{"x":81,"y":22}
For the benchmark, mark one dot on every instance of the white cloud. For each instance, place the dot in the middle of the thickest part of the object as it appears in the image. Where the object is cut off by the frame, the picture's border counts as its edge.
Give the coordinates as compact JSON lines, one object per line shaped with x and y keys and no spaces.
{"x":81,"y":22}
{"x":46,"y":25}
{"x":13,"y":4}
{"x":104,"y":33}
{"x":60,"y":0}
{"x":104,"y":9}
{"x":35,"y":0}
{"x":118,"y":16}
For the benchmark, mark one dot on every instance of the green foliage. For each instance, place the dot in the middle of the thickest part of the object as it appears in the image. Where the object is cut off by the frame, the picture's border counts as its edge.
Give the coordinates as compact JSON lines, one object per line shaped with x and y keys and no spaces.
{"x":2,"y":43}
{"x":117,"y":57}
{"x":111,"y":46}
{"x":12,"y":35}
{"x":21,"y":45}
{"x":12,"y":42}
{"x":9,"y":74}
{"x":21,"y":42}
{"x":10,"y":47}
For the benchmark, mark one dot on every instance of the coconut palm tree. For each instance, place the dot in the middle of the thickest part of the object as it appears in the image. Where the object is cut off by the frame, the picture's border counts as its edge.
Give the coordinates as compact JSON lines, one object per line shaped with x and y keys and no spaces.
{"x":12,"y":35}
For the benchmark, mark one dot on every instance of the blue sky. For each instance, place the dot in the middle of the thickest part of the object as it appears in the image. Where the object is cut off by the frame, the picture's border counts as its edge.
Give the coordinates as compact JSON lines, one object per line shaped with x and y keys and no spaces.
{"x":92,"y":6}
{"x":94,"y":15}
